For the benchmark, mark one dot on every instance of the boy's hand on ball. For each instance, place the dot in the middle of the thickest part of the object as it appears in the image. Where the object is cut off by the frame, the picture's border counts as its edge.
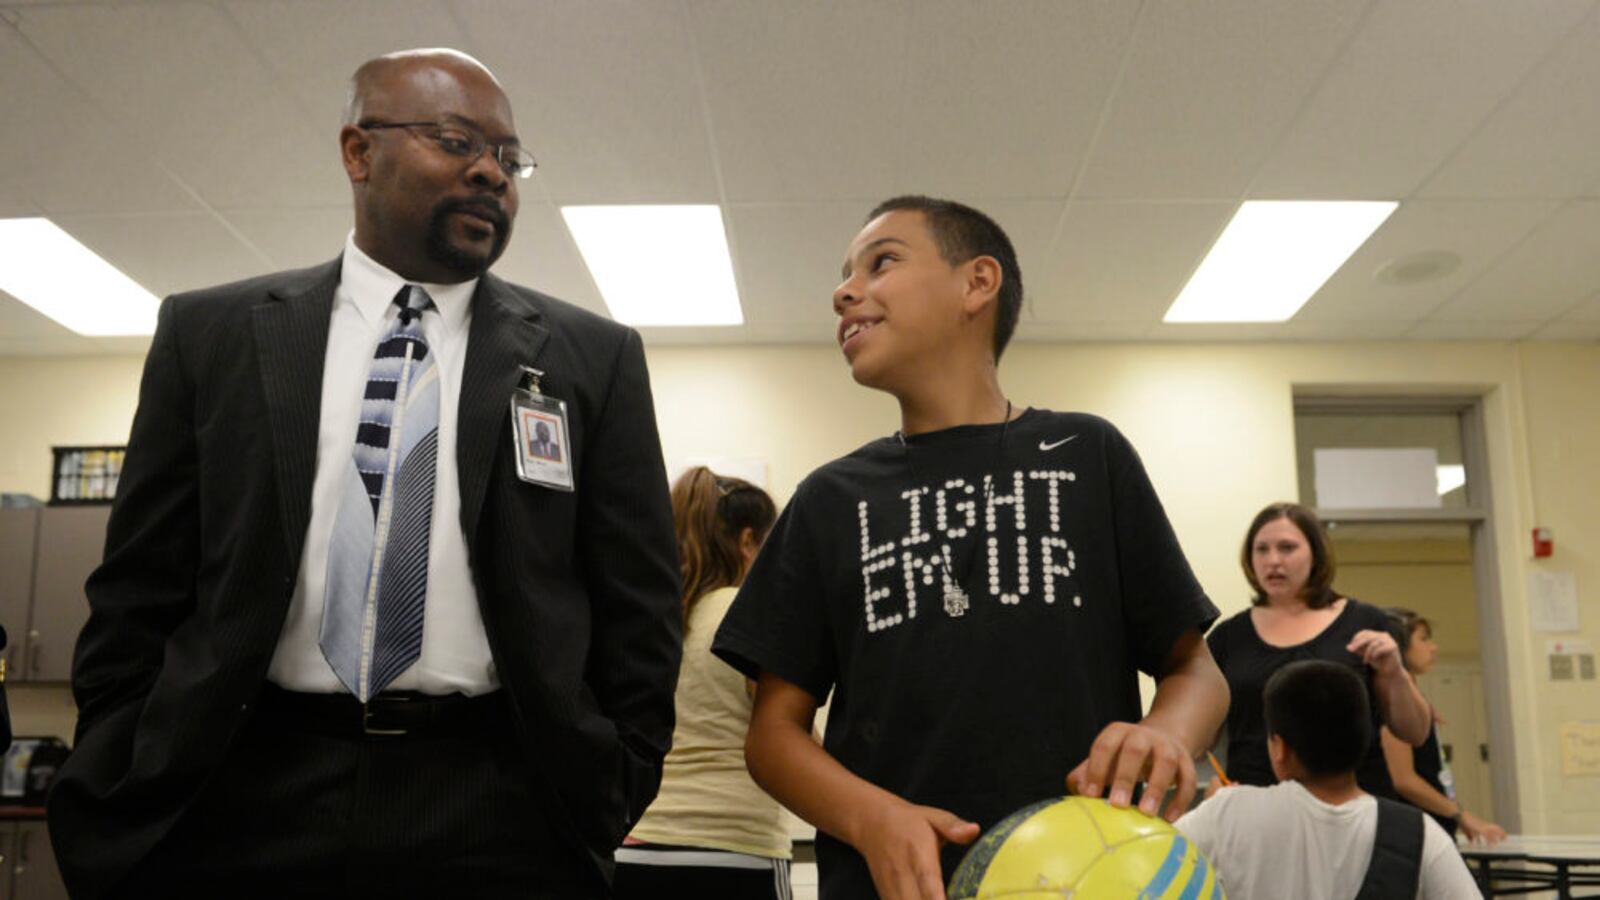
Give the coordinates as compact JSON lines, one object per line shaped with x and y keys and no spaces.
{"x":901,"y":843}
{"x":1125,"y":754}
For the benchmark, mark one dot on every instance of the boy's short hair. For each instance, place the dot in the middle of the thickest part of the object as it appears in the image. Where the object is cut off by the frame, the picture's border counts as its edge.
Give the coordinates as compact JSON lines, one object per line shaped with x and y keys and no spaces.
{"x":964,"y":233}
{"x":1320,"y":709}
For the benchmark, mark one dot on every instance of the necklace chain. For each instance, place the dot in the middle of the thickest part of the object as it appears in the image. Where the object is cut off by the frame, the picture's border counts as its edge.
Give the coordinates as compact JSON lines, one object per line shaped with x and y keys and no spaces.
{"x":956,"y":601}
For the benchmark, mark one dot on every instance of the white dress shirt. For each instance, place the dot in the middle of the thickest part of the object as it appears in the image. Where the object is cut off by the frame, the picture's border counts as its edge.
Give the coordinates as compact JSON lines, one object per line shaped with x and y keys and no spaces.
{"x":455,"y":649}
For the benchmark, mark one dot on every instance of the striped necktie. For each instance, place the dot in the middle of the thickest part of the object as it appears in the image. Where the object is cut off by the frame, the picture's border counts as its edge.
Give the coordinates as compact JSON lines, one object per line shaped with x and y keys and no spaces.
{"x":378,"y":557}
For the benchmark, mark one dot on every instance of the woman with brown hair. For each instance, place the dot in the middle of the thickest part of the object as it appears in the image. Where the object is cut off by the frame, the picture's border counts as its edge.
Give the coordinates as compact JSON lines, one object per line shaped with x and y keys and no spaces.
{"x":1420,"y":774}
{"x":1296,"y":614}
{"x":711,"y":832}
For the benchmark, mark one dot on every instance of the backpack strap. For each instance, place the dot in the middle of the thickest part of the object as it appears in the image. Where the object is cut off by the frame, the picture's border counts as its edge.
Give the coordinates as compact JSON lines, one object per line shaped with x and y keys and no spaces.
{"x":1396,"y":867}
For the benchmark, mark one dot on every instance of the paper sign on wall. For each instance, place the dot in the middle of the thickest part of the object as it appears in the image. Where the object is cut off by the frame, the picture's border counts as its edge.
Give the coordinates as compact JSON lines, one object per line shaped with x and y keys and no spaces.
{"x":1367,"y":478}
{"x":1580,"y":748}
{"x":1553,"y":601}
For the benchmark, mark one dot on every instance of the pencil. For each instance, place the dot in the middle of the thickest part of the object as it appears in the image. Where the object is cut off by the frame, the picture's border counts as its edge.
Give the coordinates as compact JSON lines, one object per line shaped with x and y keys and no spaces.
{"x":1217,"y":767}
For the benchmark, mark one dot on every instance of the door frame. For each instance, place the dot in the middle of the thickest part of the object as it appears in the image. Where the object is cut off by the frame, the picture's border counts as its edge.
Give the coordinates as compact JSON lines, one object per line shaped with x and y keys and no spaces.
{"x":1478,"y":516}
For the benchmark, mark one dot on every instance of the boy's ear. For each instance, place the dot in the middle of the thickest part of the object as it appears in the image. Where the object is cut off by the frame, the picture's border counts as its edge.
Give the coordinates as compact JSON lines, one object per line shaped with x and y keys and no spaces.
{"x":1280,"y":755}
{"x":984,"y":277}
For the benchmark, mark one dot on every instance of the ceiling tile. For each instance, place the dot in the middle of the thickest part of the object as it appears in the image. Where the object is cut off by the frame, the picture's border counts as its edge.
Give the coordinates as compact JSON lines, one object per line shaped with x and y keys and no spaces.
{"x":1123,"y":262}
{"x":312,"y":53}
{"x":807,"y":100}
{"x":742,"y":335}
{"x":167,"y":253}
{"x":1568,"y":330}
{"x":1209,"y":87}
{"x":814,"y":112}
{"x":1477,"y":232}
{"x":69,"y":345}
{"x":1587,"y":311}
{"x":132,"y":345}
{"x":606,"y":96}
{"x":1379,"y":330}
{"x":1541,"y":142}
{"x":1036,"y":72}
{"x":212,"y":114}
{"x":63,"y":154}
{"x":1207,"y":331}
{"x":19,"y":321}
{"x":1547,"y":274}
{"x":542,"y":256}
{"x":1416,"y":80}
{"x":294,"y":238}
{"x":13,"y":205}
{"x":787,"y":259}
{"x":1441,"y":330}
{"x":1029,"y":331}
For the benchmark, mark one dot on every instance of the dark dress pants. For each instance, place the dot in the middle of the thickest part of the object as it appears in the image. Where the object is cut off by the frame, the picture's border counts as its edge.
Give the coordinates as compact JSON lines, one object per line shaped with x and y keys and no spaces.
{"x":301,"y":813}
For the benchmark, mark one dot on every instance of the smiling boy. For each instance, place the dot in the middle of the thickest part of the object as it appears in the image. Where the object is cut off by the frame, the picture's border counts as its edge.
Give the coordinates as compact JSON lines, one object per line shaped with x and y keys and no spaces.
{"x":977,"y":591}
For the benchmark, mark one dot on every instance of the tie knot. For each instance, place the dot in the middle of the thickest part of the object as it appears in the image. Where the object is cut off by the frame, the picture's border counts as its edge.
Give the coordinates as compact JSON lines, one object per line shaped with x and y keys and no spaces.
{"x":412,"y":300}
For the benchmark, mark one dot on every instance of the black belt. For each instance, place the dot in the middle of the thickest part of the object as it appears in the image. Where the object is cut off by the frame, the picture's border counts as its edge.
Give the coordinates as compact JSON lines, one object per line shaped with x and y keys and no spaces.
{"x":391,"y":714}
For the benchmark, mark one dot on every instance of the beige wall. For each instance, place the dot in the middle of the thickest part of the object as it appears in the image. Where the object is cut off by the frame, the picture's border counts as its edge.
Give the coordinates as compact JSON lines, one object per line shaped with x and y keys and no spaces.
{"x":1214,"y":424}
{"x":1432,"y":577}
{"x":59,"y":401}
{"x":1561,"y":403}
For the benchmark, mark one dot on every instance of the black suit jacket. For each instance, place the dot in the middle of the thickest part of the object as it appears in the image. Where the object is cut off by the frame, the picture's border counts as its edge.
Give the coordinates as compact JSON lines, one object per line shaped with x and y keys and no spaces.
{"x":579,"y":591}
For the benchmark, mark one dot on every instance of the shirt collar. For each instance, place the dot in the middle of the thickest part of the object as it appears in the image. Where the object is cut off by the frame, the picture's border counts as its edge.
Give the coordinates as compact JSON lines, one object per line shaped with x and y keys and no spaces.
{"x":372,"y":286}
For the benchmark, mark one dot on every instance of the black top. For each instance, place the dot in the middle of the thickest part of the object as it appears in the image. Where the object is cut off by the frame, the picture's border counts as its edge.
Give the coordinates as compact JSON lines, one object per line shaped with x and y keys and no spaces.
{"x":1247,"y":662}
{"x":1074,"y":581}
{"x":1429,"y":763}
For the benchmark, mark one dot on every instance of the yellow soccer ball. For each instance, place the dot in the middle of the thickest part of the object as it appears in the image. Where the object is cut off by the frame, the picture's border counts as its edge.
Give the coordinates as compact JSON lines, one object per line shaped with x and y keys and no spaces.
{"x":1086,"y":849}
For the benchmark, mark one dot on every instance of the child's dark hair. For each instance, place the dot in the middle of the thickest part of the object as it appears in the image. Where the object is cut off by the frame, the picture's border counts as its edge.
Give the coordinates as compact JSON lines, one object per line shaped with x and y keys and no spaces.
{"x":709,"y":512}
{"x":964,"y":233}
{"x":1318,"y":592}
{"x":1320,"y":709}
{"x":1406,"y":622}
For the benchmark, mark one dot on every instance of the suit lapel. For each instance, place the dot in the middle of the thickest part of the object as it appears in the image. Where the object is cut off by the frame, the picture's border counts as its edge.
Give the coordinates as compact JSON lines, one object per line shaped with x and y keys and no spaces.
{"x":504,"y":335}
{"x":291,"y":332}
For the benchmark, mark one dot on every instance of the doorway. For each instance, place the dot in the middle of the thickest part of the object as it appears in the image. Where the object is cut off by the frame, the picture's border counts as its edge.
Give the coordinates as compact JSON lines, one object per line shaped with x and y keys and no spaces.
{"x":1433,"y":554}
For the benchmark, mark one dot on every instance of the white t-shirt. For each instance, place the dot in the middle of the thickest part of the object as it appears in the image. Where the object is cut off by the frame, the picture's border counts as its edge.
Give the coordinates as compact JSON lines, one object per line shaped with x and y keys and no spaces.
{"x":1280,"y":841}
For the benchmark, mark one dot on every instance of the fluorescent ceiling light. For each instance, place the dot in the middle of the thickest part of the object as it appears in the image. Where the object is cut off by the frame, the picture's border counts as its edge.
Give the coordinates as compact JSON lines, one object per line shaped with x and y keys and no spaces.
{"x":658,"y":265}
{"x":1273,"y":256}
{"x":1450,"y":477}
{"x":48,"y":269}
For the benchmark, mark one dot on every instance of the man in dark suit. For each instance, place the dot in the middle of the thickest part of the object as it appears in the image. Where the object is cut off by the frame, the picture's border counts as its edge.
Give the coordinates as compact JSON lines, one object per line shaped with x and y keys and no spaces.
{"x":338,"y":647}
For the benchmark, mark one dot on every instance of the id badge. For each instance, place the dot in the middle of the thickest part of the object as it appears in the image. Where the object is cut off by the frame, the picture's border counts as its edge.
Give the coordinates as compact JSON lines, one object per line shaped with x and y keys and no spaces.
{"x":539,"y":427}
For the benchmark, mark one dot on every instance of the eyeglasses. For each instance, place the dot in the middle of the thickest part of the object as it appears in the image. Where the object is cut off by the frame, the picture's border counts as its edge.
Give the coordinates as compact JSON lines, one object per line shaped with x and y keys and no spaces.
{"x":514,"y":160}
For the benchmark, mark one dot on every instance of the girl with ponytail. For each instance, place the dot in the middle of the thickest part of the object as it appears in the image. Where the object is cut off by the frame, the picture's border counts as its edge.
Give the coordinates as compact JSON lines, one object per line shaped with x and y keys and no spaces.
{"x":711,"y":832}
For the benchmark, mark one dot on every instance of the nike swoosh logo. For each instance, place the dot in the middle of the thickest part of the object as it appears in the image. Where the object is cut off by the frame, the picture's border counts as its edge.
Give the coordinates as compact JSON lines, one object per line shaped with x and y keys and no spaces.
{"x":1051,"y":446}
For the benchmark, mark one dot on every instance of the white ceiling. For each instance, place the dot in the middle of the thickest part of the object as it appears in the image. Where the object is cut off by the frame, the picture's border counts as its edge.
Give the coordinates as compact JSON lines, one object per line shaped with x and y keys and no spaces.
{"x":194,"y":142}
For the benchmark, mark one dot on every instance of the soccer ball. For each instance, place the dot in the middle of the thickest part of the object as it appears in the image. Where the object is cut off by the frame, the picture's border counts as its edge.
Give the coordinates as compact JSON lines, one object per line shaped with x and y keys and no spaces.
{"x":1078,"y":847}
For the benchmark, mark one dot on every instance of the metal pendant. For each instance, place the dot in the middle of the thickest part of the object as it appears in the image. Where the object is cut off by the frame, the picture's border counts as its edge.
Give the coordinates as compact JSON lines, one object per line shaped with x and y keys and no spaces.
{"x":955,"y":601}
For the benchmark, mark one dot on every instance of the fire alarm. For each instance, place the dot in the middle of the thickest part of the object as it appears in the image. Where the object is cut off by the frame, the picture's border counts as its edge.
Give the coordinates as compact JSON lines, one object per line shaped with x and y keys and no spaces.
{"x":1544,"y":543}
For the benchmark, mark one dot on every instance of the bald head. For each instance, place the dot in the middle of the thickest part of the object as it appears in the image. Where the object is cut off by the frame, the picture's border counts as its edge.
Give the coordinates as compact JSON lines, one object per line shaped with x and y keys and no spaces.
{"x":379,"y":78}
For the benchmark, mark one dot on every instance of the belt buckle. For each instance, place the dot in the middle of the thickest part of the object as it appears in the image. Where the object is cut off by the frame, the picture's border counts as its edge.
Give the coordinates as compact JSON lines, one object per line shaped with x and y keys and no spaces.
{"x":370,"y":730}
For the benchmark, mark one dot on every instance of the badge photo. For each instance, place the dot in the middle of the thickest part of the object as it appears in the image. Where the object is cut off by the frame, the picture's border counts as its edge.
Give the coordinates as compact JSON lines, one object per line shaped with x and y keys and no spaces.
{"x":543,"y":454}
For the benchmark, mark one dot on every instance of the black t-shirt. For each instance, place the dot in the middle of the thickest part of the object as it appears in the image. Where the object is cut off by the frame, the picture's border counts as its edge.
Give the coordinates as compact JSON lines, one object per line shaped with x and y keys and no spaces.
{"x":1247,"y":662}
{"x":1072,"y":577}
{"x":1429,"y":763}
